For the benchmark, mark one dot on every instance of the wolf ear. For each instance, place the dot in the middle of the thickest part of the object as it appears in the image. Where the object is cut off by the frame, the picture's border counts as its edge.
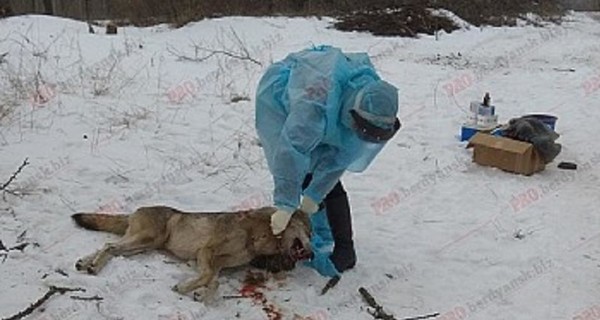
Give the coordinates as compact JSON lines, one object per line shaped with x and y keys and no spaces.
{"x":302,"y":216}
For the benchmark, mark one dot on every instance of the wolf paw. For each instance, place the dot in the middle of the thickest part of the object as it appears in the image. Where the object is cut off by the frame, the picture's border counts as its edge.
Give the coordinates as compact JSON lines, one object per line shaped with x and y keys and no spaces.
{"x":177,"y":288}
{"x":182,"y":287}
{"x":205,"y":295}
{"x":85,"y":265}
{"x":92,"y":270}
{"x":79,"y":265}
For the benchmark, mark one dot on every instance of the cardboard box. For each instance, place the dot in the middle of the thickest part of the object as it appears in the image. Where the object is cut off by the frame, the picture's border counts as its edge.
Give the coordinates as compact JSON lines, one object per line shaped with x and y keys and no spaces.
{"x":506,"y":154}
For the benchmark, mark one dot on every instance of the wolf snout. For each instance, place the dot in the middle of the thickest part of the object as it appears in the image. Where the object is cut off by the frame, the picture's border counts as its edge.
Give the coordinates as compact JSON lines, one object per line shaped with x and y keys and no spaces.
{"x":300,"y":251}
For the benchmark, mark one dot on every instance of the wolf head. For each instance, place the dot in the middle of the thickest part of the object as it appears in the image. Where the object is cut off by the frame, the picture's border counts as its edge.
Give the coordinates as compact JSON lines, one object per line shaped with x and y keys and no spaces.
{"x":296,"y":237}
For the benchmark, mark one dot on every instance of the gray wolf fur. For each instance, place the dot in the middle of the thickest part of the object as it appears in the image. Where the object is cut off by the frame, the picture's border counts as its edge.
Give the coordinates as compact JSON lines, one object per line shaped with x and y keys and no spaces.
{"x":214,"y":240}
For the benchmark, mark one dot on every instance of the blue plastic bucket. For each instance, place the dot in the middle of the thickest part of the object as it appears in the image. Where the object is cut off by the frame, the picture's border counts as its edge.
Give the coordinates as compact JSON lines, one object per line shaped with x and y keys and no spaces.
{"x":547,"y":119}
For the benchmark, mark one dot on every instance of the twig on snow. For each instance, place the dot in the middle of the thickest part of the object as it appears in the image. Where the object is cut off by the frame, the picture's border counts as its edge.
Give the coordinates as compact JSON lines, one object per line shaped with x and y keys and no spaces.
{"x":51,"y":291}
{"x":93,"y":298}
{"x":240,"y":51}
{"x":20,"y":247}
{"x":5,"y":250}
{"x":380,"y":314}
{"x":427,"y":316}
{"x":229,"y":297}
{"x":4,"y":186}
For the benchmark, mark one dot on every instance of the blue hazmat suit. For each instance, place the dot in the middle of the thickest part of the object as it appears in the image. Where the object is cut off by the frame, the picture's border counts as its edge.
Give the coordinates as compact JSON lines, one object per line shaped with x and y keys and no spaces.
{"x":303,"y":121}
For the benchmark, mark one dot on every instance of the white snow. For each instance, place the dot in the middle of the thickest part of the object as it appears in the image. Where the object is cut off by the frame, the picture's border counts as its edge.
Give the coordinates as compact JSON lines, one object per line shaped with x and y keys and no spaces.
{"x":121,"y":122}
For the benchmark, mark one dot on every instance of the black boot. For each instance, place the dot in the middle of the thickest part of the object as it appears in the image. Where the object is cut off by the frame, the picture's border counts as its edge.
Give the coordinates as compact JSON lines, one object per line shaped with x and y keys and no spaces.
{"x":340,"y":221}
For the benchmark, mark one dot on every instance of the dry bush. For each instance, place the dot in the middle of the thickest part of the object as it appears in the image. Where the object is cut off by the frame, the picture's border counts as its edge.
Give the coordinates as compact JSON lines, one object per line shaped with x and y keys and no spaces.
{"x":408,"y":21}
{"x":409,"y":18}
{"x":499,"y":12}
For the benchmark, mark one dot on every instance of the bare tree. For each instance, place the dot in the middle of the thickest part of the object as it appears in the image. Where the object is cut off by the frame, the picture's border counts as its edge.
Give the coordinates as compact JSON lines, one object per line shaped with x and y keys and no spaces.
{"x":48,"y":9}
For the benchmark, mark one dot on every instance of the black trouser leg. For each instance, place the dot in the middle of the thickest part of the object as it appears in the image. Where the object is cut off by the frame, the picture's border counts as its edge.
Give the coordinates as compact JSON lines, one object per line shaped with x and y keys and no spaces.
{"x":340,"y":221}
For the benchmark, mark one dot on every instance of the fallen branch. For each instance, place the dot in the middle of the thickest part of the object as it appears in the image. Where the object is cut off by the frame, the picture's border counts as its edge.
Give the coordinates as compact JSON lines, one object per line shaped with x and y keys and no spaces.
{"x":61,"y":272}
{"x":427,"y":316}
{"x":21,"y":237}
{"x":4,"y":254}
{"x":5,"y":250}
{"x":234,"y":297}
{"x":20,"y":247}
{"x":51,"y":291}
{"x":4,"y":186}
{"x":564,"y":70}
{"x":93,"y":298}
{"x":237,"y":99}
{"x":380,"y":314}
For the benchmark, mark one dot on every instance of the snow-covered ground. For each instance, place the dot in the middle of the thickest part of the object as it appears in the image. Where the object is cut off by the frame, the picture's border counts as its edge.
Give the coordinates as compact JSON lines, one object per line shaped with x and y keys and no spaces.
{"x":116,"y":122}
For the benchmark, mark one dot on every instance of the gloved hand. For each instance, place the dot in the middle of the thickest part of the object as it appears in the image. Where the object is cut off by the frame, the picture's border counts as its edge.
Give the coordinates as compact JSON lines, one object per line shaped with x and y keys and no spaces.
{"x":280,"y":220}
{"x":308,"y":205}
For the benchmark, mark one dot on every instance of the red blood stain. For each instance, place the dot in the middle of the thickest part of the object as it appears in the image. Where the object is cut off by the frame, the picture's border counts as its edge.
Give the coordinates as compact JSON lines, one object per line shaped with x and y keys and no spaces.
{"x":252,"y":288}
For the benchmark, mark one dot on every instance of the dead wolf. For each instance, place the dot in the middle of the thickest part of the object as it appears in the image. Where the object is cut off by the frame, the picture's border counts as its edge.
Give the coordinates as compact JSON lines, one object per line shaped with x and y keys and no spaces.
{"x":216,"y":240}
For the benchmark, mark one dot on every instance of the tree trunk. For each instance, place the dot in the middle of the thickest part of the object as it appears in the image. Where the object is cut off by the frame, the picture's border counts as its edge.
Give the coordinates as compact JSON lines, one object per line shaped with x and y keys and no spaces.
{"x":48,"y":7}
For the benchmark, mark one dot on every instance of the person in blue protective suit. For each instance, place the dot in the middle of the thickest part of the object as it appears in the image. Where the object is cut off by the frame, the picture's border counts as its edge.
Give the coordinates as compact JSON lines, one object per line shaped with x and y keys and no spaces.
{"x":319,"y":113}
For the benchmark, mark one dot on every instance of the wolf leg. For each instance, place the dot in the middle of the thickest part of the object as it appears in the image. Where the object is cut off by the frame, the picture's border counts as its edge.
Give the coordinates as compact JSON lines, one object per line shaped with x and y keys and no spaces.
{"x":207,"y":294}
{"x":208,"y":272}
{"x":83,"y":263}
{"x":127,"y":246}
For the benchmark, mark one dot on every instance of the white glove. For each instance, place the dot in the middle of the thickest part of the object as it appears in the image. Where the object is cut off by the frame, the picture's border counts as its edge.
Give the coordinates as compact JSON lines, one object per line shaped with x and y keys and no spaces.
{"x":308,"y":205}
{"x":280,"y":220}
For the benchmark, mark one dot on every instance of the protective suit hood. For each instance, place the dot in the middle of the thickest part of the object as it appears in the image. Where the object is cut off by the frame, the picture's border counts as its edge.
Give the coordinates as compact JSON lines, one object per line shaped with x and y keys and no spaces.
{"x":370,"y":112}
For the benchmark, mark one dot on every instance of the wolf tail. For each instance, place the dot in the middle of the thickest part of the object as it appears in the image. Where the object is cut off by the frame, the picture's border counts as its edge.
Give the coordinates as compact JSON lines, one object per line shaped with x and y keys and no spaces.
{"x":113,"y":223}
